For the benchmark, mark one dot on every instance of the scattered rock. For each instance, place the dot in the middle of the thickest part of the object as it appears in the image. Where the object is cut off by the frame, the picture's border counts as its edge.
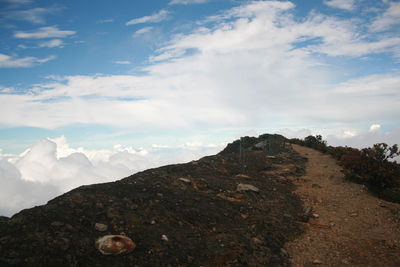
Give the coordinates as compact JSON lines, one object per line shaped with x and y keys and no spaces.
{"x":247,"y":187}
{"x":115,"y":244}
{"x":101,"y":227}
{"x":315,"y":215}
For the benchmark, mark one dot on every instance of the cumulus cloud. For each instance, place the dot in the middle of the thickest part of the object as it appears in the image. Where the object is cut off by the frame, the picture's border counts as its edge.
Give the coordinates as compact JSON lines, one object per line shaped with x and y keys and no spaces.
{"x":44,"y":32}
{"x":250,"y":66}
{"x":366,"y":138}
{"x":7,"y":61}
{"x":156,"y":17}
{"x":51,"y":167}
{"x":341,"y":4}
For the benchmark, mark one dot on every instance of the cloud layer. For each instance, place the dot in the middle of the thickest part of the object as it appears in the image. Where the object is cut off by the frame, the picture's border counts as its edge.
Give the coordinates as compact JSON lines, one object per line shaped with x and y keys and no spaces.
{"x":51,"y":167}
{"x":250,"y":66}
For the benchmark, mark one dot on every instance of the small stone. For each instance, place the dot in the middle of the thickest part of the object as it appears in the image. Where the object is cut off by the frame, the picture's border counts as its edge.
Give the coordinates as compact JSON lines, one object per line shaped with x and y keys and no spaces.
{"x":307,"y":210}
{"x":185,"y":180}
{"x":257,"y":241}
{"x":284,"y":253}
{"x":247,"y":187}
{"x":57,"y":224}
{"x":317,"y":262}
{"x":244,"y":216}
{"x":242,"y":176}
{"x":101,"y":227}
{"x":164,"y":238}
{"x":315,"y":215}
{"x":115,"y":244}
{"x":69,"y":227}
{"x":153,"y":222}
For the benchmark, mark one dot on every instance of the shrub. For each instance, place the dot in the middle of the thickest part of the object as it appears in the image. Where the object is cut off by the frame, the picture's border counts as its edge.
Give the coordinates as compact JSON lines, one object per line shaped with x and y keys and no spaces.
{"x":372,"y":166}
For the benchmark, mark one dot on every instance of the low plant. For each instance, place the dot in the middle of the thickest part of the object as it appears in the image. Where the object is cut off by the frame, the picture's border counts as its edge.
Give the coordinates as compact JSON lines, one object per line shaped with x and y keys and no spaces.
{"x":373,"y":166}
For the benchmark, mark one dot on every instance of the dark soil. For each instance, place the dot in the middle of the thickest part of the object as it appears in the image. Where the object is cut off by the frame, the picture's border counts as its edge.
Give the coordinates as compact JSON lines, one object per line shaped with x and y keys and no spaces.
{"x":207,"y":221}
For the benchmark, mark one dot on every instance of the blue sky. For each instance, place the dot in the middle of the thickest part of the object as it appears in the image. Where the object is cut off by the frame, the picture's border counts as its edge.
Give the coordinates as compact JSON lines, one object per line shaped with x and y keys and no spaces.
{"x":183,"y":77}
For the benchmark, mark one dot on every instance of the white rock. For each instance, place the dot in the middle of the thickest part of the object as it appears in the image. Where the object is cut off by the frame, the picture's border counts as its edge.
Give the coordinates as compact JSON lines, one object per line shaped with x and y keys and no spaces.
{"x":185,"y":180}
{"x":247,"y":187}
{"x":165,"y":238}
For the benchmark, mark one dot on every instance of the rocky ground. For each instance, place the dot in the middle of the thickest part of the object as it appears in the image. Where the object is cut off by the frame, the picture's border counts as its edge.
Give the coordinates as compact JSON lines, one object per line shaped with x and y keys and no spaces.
{"x":237,"y":208}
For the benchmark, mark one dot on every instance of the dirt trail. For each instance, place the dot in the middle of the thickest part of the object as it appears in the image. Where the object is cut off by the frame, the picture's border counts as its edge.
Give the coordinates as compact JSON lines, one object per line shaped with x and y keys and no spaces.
{"x":350,"y":227}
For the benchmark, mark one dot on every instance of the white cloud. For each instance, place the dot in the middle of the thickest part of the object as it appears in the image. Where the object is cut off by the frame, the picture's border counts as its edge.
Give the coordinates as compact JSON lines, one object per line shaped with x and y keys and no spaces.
{"x":366,"y":138}
{"x":102,"y":21}
{"x":374,"y":127}
{"x":52,"y":43}
{"x":244,"y":70}
{"x":23,"y":62}
{"x":51,"y":167}
{"x":157,"y":17}
{"x":341,"y":4}
{"x":142,"y":31}
{"x":187,"y":2}
{"x":34,"y":15}
{"x":44,"y":32}
{"x":17,"y":2}
{"x":390,"y":18}
{"x":123,"y":62}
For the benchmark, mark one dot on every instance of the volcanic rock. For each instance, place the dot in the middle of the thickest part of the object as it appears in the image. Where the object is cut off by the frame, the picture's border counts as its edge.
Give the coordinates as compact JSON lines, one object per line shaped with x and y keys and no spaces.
{"x":209,"y":221}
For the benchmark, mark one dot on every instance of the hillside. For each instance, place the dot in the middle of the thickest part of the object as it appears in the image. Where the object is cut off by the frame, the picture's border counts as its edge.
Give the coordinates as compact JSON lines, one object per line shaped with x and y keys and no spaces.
{"x":236,"y":208}
{"x":259,"y":202}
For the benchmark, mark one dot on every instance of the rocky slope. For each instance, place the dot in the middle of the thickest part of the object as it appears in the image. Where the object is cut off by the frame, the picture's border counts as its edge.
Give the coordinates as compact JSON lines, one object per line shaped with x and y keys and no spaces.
{"x":236,"y":208}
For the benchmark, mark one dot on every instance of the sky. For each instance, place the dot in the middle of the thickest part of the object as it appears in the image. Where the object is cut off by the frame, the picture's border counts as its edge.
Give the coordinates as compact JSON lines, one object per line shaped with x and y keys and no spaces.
{"x":93,"y":92}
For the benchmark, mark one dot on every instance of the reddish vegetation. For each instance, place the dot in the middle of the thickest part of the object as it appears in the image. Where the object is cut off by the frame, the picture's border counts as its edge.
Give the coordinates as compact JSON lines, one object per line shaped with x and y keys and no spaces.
{"x":371,"y":166}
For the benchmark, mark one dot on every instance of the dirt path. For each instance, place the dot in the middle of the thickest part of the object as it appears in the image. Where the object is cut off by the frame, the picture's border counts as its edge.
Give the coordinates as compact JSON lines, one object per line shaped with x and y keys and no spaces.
{"x":349,"y":227}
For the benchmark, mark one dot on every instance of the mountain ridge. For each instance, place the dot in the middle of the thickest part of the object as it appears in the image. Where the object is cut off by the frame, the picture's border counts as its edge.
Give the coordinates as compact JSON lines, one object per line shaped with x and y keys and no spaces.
{"x":204,"y":212}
